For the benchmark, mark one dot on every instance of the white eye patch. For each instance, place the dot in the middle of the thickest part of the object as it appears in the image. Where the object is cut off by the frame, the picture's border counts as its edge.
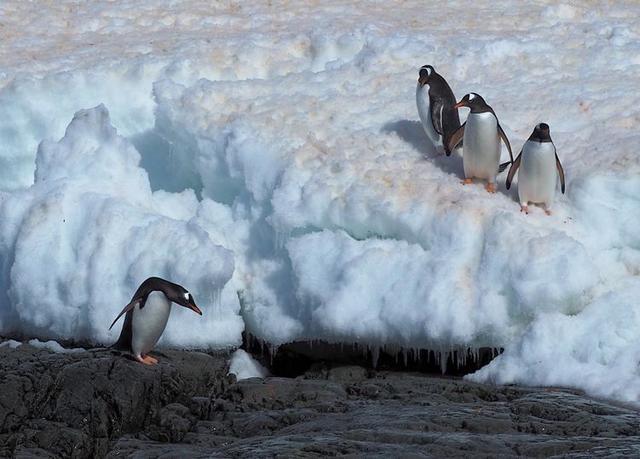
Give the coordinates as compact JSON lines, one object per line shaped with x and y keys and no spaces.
{"x":186,"y":296}
{"x":472,"y":96}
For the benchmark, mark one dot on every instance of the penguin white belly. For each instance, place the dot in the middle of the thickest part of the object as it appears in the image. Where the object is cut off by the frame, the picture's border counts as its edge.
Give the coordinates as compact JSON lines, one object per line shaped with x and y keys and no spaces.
{"x":481,"y":147}
{"x":149,"y":322}
{"x":537,"y":175}
{"x":424,"y":111}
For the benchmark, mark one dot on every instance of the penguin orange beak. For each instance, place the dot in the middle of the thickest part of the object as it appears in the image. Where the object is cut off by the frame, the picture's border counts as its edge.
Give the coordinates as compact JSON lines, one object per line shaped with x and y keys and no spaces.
{"x":460,"y":104}
{"x":194,"y":308}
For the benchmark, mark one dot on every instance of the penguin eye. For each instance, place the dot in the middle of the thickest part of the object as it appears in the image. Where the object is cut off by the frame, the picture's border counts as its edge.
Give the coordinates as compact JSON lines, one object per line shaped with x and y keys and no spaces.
{"x":187,"y":295}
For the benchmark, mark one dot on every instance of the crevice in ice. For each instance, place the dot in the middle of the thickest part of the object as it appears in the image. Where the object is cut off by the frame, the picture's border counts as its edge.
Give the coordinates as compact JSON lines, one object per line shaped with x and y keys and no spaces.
{"x":168,"y":167}
{"x":294,"y":359}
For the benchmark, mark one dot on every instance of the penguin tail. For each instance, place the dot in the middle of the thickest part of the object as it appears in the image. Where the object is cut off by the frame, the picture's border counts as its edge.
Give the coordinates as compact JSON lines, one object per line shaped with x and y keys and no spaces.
{"x":503,"y":166}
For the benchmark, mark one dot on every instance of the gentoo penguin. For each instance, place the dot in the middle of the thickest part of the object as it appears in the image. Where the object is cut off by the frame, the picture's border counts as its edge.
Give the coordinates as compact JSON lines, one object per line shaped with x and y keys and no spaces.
{"x":538,"y":162}
{"x":147,"y":314}
{"x":481,"y":135}
{"x":435,"y":101}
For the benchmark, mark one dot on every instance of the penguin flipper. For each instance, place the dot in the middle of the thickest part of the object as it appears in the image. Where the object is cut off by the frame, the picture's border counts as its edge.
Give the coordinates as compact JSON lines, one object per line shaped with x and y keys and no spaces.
{"x":124,"y":340}
{"x":126,"y":309}
{"x":560,"y":173}
{"x":436,"y":106}
{"x":505,"y":140}
{"x":514,"y":167}
{"x":503,"y":166}
{"x":455,"y":139}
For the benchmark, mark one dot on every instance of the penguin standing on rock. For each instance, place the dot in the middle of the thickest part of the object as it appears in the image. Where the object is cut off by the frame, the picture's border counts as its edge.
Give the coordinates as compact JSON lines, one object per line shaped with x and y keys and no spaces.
{"x":147,"y":314}
{"x":538,"y":163}
{"x":435,"y":101}
{"x":481,"y":135}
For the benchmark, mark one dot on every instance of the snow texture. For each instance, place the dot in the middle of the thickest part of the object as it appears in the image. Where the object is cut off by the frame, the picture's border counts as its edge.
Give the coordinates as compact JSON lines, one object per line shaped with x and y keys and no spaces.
{"x":244,"y":366}
{"x":269,"y":158}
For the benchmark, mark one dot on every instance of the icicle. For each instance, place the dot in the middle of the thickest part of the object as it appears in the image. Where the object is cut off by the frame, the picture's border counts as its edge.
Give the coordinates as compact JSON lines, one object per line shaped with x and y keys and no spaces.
{"x":375,"y":355}
{"x":444,"y":356}
{"x":281,"y":237}
{"x":273,"y":350}
{"x":217,"y":299}
{"x":405,"y":356}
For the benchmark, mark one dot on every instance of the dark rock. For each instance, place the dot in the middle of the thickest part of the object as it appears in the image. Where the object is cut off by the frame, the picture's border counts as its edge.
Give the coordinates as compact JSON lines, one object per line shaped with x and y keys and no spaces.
{"x":103,"y":404}
{"x":174,"y":423}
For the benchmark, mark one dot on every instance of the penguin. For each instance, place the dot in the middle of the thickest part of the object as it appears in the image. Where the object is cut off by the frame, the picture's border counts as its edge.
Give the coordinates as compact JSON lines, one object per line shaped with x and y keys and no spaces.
{"x":435,"y":101}
{"x":147,"y":314}
{"x":538,"y":163}
{"x":481,"y":135}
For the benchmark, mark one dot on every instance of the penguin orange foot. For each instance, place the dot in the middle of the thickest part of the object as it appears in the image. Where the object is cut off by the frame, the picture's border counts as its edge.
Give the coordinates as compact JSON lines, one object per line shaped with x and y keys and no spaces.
{"x":467,"y":181}
{"x":147,"y":314}
{"x":490,"y":187}
{"x":147,"y":360}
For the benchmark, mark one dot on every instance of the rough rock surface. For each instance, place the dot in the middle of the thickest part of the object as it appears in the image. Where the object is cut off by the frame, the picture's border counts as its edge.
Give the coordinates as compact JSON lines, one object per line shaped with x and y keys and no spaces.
{"x":100,"y":404}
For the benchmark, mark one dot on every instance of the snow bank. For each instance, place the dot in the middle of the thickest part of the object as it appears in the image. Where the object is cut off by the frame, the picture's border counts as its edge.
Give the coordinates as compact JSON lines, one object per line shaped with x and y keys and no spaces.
{"x":600,"y":346}
{"x":244,"y":366}
{"x":284,"y":179}
{"x":78,"y":242}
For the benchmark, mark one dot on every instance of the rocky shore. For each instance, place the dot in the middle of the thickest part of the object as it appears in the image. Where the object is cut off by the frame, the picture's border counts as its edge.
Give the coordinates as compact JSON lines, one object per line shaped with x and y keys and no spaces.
{"x":98,"y":403}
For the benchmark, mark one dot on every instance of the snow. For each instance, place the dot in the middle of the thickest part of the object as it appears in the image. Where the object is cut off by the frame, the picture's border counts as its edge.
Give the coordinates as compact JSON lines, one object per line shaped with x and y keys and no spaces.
{"x":269,"y":158}
{"x":11,"y":344}
{"x":54,"y":346}
{"x":244,"y":366}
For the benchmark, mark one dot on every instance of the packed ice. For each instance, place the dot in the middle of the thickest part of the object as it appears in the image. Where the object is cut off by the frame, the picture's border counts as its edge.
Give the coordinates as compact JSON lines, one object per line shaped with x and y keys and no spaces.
{"x":270,"y":158}
{"x":11,"y":344}
{"x":54,"y":346}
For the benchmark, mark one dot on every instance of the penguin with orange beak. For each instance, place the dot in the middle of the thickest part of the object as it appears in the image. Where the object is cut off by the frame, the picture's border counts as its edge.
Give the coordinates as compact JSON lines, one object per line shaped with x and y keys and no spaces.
{"x":147,"y":314}
{"x":481,"y":135}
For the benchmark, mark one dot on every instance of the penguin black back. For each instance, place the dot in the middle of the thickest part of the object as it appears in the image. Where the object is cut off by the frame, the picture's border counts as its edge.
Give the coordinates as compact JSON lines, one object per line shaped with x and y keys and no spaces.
{"x":442,"y":100}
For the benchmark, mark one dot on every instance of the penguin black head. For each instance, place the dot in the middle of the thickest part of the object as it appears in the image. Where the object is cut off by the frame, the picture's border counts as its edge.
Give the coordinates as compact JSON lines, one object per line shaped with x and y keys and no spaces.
{"x":426,"y":71}
{"x":185,"y":299}
{"x":541,"y":133}
{"x":473,"y":101}
{"x":174,"y":292}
